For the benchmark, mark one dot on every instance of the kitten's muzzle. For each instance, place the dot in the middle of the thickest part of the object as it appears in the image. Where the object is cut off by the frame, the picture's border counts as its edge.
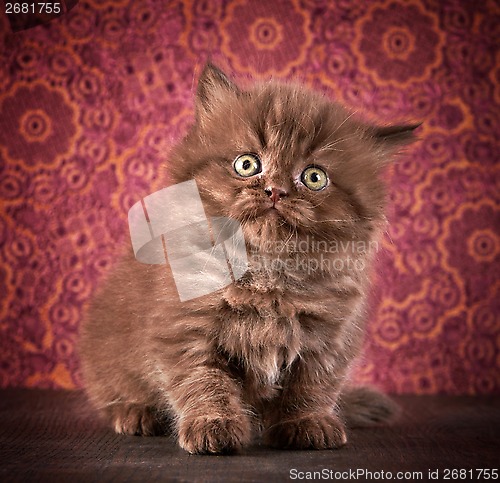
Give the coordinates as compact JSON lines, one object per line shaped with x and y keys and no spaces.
{"x":275,"y":193}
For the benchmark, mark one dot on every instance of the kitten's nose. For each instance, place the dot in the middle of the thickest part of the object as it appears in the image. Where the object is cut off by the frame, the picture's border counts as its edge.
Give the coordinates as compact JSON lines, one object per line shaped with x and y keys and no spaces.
{"x":275,"y":193}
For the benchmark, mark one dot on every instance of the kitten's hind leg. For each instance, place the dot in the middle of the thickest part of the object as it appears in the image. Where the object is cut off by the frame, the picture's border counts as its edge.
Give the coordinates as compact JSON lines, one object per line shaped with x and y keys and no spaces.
{"x":135,"y":419}
{"x":363,"y":407}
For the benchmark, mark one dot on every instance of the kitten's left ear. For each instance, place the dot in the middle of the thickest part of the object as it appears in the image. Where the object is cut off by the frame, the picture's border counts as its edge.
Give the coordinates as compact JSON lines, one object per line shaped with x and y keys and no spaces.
{"x":213,"y":87}
{"x":391,"y":138}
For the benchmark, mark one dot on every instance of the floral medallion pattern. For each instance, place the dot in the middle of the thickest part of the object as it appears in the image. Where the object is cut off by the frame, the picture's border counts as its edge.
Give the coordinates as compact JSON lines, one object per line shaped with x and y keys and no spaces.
{"x":399,"y":42}
{"x":263,"y":40}
{"x":91,"y":103}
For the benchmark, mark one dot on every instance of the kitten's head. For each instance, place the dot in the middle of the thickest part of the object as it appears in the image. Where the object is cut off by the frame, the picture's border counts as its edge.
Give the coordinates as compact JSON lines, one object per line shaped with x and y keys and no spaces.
{"x":285,"y":161}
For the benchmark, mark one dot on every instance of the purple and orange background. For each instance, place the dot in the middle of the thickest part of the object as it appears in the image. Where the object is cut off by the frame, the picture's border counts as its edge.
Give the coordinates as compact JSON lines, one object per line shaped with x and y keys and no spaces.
{"x":91,"y":102}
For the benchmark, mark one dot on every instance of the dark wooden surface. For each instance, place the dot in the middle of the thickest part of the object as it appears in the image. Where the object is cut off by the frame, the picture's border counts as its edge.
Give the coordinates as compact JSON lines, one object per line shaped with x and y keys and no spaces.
{"x":55,"y":436}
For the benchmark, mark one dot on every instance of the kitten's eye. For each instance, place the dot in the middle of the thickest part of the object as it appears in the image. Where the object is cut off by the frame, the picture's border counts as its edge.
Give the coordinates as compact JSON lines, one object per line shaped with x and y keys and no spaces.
{"x":247,"y":165}
{"x":314,"y":178}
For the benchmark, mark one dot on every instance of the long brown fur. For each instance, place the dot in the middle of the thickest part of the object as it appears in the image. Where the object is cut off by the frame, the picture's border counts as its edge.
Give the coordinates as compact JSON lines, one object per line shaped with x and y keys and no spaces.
{"x":270,"y":353}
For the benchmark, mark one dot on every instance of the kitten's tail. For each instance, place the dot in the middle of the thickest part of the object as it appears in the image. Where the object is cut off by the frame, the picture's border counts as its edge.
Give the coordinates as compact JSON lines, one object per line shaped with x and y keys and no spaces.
{"x":364,"y":406}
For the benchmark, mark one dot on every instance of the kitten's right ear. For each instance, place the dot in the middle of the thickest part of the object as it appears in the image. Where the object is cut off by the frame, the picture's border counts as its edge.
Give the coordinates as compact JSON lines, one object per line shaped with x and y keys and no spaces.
{"x":213,"y":86}
{"x":394,"y":137}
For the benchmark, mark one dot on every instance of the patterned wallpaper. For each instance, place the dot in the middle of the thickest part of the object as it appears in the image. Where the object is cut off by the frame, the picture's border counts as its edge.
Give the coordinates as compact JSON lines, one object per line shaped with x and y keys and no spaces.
{"x":91,"y":102}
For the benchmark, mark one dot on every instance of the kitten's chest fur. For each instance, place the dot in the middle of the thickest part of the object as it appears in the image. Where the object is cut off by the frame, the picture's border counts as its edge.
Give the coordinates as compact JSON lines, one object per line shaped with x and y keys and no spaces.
{"x":261,"y":348}
{"x":261,"y":334}
{"x":268,"y":322}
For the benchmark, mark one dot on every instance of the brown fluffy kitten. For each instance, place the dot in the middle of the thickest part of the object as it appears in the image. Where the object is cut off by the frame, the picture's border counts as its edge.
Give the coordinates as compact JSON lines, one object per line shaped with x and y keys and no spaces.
{"x":272,"y":351}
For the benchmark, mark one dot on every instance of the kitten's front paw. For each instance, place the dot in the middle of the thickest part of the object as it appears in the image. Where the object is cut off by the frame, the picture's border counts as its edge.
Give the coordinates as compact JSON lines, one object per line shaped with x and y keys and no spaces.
{"x":309,"y":432}
{"x":214,"y":435}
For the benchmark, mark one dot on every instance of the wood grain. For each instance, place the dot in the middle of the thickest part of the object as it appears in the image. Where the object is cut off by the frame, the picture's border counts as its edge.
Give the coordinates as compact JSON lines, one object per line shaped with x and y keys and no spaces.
{"x":55,"y":436}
